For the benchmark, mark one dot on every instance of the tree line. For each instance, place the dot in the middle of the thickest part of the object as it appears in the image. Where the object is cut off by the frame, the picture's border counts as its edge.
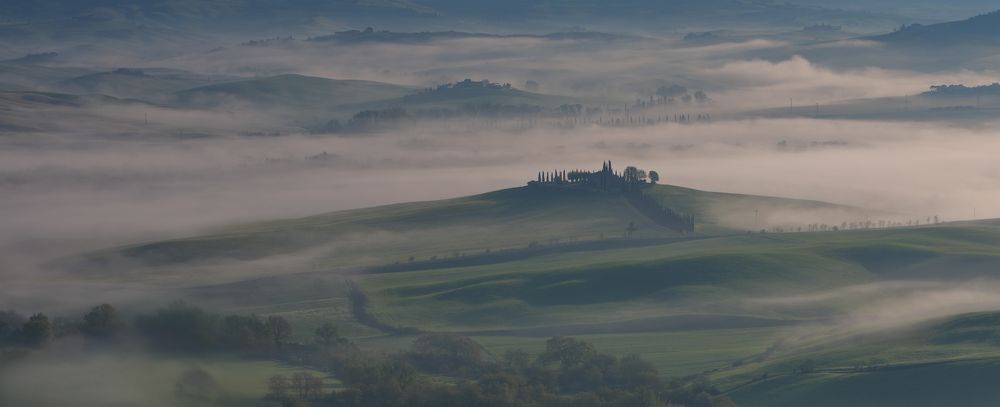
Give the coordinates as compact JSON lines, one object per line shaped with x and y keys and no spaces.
{"x":176,"y":328}
{"x":569,"y":372}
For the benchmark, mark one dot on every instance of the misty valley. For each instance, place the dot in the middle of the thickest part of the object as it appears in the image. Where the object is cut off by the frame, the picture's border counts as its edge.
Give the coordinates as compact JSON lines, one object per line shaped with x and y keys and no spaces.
{"x":526,"y":203}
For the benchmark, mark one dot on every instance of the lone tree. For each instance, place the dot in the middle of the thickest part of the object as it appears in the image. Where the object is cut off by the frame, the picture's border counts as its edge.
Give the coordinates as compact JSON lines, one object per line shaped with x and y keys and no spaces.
{"x":654,"y":177}
{"x":101,"y":322}
{"x":280,"y":329}
{"x":630,"y":229}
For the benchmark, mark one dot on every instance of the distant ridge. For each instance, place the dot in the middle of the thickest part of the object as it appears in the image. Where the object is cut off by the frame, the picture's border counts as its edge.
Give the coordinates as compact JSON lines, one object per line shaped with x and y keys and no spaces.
{"x":292,"y":90}
{"x":979,"y":30}
{"x":371,"y":35}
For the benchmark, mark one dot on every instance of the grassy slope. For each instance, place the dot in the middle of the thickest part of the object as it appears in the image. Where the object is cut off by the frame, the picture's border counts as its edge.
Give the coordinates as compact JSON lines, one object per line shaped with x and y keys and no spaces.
{"x":502,"y":219}
{"x":938,"y":363}
{"x":719,"y":212}
{"x":702,"y":276}
{"x":510,"y":218}
{"x":962,"y":384}
{"x":633,"y":291}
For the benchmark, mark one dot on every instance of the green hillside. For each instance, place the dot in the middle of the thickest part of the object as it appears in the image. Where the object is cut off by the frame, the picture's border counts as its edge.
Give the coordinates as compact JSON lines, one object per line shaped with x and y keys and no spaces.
{"x":943,"y":362}
{"x":512,"y":218}
{"x":513,"y":267}
{"x":700,"y":277}
{"x":506,"y":219}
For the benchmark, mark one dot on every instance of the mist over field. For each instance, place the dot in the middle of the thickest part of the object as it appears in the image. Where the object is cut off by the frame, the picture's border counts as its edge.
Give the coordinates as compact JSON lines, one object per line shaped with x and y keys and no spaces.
{"x":422,"y":202}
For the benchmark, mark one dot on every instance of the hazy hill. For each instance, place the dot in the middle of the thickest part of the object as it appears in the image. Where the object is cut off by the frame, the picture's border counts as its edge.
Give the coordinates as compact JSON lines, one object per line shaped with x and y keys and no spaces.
{"x":932,"y":10}
{"x":980,"y":30}
{"x":150,"y":19}
{"x":638,"y":10}
{"x":370,"y":35}
{"x":31,"y":76}
{"x":188,"y":10}
{"x":139,"y":82}
{"x":515,"y":266}
{"x":512,"y":218}
{"x":292,"y":92}
{"x":467,"y":94}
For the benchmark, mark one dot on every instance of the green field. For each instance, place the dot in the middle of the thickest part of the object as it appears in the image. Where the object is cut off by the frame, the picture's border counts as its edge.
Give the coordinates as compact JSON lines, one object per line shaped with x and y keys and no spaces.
{"x":514,"y":267}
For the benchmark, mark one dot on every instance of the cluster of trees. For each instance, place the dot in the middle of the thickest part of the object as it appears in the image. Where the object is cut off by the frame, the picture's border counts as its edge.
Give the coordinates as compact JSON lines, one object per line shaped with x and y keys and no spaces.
{"x":668,"y":95}
{"x":367,"y":120}
{"x":268,"y":41}
{"x":178,"y":327}
{"x":102,"y":322}
{"x":631,"y":178}
{"x":471,"y":84}
{"x":569,"y":372}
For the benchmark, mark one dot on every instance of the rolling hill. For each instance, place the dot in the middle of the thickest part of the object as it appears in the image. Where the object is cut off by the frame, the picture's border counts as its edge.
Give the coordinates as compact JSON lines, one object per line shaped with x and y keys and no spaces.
{"x":292,"y":92}
{"x":37,"y":77}
{"x":976,"y":31}
{"x":469,"y":95}
{"x":142,"y":83}
{"x":511,"y":218}
{"x":512,"y":267}
{"x":184,"y":21}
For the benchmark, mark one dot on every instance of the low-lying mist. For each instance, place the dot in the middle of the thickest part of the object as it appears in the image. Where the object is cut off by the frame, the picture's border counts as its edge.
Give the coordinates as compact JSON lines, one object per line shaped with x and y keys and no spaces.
{"x":128,"y":189}
{"x":885,"y":308}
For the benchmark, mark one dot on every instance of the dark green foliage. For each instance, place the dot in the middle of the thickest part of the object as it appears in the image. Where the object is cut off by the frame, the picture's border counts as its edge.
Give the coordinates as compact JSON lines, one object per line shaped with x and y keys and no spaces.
{"x":279,"y":328}
{"x":305,"y":386}
{"x":328,"y":335}
{"x":180,"y":327}
{"x":568,"y":352}
{"x":101,"y":322}
{"x":376,"y":371}
{"x":37,"y":331}
{"x":183,"y":328}
{"x":447,"y":354}
{"x":248,"y":333}
{"x":569,"y":373}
